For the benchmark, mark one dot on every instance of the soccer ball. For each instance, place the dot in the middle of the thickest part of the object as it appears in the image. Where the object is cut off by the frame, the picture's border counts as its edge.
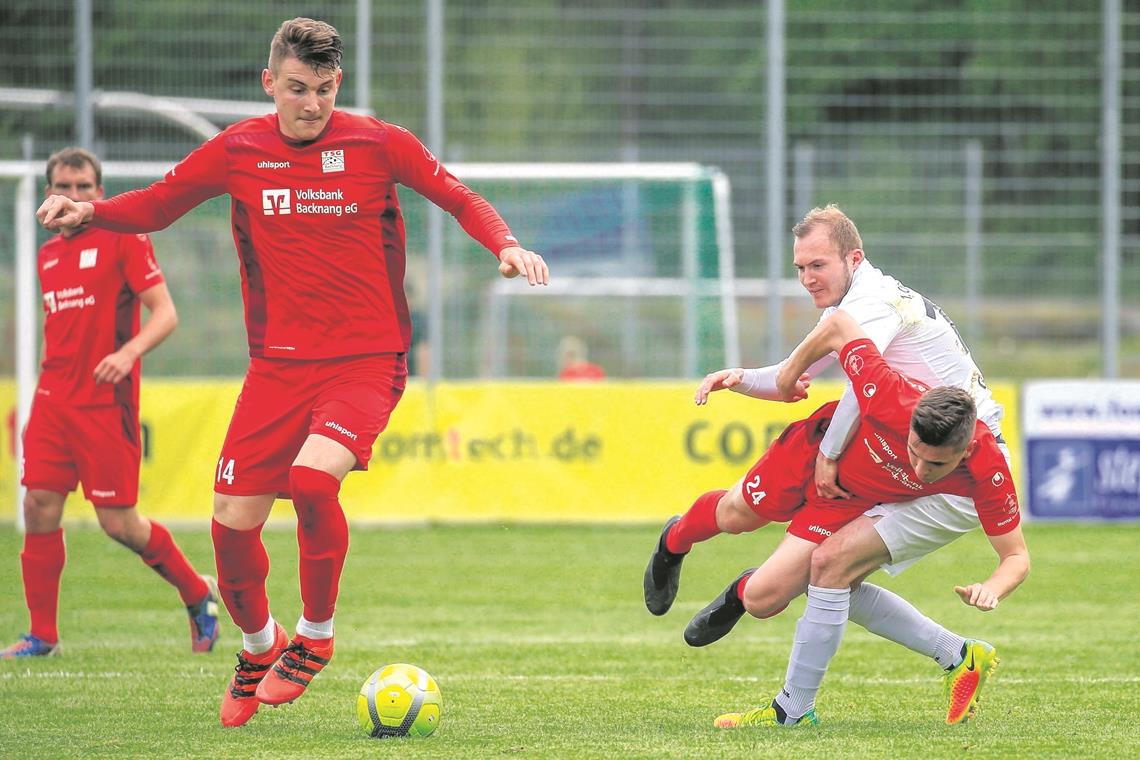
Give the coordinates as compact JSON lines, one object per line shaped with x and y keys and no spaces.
{"x":399,"y":700}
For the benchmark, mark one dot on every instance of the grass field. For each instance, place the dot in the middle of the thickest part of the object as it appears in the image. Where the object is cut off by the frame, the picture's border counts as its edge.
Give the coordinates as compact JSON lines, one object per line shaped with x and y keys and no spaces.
{"x":543,"y":648}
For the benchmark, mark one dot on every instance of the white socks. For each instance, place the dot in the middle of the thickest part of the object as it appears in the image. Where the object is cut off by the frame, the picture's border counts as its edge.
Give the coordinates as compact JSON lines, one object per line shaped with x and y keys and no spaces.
{"x":262,"y":641}
{"x":887,"y":614}
{"x":319,"y":630}
{"x":818,"y":634}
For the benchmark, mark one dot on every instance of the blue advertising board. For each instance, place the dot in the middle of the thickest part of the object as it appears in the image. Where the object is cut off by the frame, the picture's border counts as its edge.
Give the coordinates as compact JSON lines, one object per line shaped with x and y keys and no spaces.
{"x":1082,"y":478}
{"x":1082,"y":445}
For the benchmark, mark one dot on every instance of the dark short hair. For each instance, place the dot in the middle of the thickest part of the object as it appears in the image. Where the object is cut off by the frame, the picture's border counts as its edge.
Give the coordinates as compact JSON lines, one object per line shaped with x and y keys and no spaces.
{"x":841,"y":231}
{"x":945,"y":416}
{"x":313,"y":43}
{"x":76,"y":158}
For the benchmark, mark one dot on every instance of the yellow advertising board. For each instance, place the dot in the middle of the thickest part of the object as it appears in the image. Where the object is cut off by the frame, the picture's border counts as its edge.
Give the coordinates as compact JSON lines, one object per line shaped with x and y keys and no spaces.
{"x":544,"y":451}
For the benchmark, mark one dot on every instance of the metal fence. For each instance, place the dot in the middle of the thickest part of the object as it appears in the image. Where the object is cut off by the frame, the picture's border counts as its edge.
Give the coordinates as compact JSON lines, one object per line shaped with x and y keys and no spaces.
{"x":966,"y":140}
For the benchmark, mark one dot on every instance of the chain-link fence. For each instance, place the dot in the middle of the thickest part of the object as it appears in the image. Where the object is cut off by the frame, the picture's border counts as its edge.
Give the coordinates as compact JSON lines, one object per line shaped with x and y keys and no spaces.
{"x":963,"y":138}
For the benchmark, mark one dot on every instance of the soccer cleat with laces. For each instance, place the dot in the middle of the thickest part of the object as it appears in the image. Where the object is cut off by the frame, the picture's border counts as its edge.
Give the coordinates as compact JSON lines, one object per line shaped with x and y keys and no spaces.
{"x":239,"y":703}
{"x":764,"y":717}
{"x":718,"y":617}
{"x":204,"y":618}
{"x":963,"y":684}
{"x":29,"y":646}
{"x":663,"y":574}
{"x":295,"y":669}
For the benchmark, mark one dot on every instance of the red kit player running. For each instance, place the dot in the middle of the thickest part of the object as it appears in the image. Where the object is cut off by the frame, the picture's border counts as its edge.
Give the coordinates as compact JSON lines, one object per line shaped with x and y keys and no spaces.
{"x":84,"y":424}
{"x":320,"y":242}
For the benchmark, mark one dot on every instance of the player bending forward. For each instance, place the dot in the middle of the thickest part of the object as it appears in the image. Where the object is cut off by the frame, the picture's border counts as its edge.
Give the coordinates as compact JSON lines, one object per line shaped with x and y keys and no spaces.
{"x":910,"y":441}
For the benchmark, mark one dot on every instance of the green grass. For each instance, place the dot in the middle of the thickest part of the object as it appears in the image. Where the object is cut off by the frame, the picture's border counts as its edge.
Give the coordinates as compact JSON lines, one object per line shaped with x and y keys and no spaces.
{"x":543,"y":648}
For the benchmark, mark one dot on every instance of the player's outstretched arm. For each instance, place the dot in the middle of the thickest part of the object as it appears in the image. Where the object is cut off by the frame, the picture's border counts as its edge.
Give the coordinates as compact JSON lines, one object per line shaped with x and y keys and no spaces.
{"x":757,"y":383}
{"x":162,"y":320}
{"x":60,"y":212}
{"x":1012,"y":569}
{"x":514,"y":261}
{"x":830,"y":335}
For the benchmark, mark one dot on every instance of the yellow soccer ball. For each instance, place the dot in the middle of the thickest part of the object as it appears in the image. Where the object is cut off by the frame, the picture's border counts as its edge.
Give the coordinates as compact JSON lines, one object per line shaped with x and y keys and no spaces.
{"x":399,"y":700}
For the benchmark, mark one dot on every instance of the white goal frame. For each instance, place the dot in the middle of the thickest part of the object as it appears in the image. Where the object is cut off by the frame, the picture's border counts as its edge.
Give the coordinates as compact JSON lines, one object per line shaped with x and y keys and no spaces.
{"x":688,"y":287}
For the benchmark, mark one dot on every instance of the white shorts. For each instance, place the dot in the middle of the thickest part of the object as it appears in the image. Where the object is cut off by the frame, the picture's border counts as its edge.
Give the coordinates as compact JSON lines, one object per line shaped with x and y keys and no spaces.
{"x":913,"y":529}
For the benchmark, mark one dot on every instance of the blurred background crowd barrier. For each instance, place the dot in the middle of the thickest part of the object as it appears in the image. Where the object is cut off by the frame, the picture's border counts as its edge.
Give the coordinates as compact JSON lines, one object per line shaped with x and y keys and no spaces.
{"x":989,"y":153}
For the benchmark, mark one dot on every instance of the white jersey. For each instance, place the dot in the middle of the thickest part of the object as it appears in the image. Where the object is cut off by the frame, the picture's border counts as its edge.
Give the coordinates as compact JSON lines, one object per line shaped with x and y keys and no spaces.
{"x":915,"y":337}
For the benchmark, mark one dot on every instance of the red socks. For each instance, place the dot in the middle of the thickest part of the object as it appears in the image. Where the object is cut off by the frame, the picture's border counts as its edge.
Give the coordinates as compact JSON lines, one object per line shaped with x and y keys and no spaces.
{"x":696,"y":525}
{"x":322,"y":537}
{"x":166,"y":559}
{"x":243,"y":567}
{"x":42,"y":563}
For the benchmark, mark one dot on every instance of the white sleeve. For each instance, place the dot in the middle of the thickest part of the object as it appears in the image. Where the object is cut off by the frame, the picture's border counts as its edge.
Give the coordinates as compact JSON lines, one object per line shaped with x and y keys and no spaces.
{"x":761,"y":382}
{"x":879,"y":320}
{"x":843,"y":424}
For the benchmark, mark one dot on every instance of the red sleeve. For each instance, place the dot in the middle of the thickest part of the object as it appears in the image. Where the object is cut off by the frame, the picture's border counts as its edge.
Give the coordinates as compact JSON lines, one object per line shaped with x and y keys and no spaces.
{"x":881,"y":391}
{"x":198,"y":177}
{"x":140,"y":269}
{"x":995,"y":497}
{"x":414,"y":165}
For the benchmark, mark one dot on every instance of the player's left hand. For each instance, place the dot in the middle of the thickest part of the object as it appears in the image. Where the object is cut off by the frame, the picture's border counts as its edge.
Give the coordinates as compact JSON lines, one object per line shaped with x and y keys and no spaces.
{"x":977,"y":595}
{"x":114,"y":367}
{"x":514,"y":261}
{"x":717,"y":381}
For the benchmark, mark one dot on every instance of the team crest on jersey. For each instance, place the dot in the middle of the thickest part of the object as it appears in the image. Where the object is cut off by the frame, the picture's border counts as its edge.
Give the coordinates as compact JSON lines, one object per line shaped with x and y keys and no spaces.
{"x":854,"y":364}
{"x":87,"y":258}
{"x":276,"y":202}
{"x":869,"y":390}
{"x":332,"y":161}
{"x":997,"y":479}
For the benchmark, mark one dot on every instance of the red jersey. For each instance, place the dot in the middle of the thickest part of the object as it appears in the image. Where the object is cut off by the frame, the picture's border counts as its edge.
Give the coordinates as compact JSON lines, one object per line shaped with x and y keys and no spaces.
{"x":317,"y":226}
{"x":91,"y":283}
{"x":875,"y":467}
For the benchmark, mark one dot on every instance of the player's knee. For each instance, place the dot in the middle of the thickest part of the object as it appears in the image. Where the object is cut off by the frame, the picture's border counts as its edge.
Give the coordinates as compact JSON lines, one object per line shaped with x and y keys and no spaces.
{"x":733,"y":516}
{"x":763,"y":602}
{"x":829,"y":566}
{"x":309,"y":486}
{"x":42,"y":511}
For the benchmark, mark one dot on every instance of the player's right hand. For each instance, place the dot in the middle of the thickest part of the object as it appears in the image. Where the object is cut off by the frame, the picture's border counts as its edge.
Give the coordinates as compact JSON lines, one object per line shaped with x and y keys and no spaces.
{"x":60,"y":212}
{"x":977,"y":595}
{"x":717,"y":381}
{"x":827,"y":479}
{"x":515,"y":260}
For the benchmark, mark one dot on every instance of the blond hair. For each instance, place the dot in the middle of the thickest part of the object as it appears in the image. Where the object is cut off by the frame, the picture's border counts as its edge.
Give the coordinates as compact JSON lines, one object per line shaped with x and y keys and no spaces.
{"x":841,"y":231}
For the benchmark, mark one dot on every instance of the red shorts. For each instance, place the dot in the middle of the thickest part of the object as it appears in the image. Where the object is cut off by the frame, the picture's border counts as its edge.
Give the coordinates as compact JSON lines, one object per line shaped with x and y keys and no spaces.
{"x":819,"y":517}
{"x":778,"y":484}
{"x":283,"y":402}
{"x":98,"y":445}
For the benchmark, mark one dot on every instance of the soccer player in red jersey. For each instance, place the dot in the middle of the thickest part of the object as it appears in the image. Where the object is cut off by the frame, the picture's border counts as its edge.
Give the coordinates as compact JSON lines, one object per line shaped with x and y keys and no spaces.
{"x":320,"y":241}
{"x":911,"y":440}
{"x":84,"y":424}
